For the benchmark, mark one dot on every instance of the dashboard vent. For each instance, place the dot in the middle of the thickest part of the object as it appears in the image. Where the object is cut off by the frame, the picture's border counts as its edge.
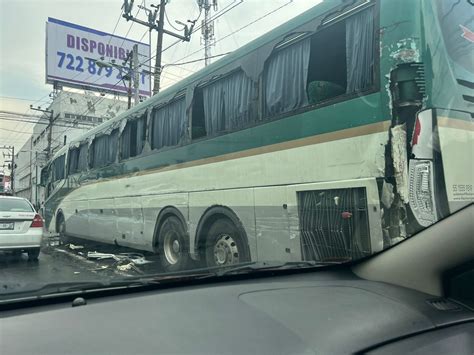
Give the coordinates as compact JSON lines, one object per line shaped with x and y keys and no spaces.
{"x":442,"y":304}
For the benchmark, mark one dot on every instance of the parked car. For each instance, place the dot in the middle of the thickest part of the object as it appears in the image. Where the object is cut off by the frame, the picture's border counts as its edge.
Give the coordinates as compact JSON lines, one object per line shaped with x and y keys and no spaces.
{"x":21,"y":228}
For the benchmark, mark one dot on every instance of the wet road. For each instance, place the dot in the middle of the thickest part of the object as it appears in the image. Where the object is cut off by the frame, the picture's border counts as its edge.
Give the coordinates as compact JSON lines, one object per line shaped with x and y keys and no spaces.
{"x":74,"y":263}
{"x":17,"y":273}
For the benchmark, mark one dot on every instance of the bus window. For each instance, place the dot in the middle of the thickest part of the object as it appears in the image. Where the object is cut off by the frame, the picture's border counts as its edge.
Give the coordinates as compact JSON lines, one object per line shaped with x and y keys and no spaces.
{"x":72,"y":160}
{"x":58,"y":168}
{"x":342,"y":58}
{"x":228,"y":103}
{"x":198,"y":127}
{"x":104,"y":149}
{"x":337,"y":60}
{"x":82,"y":159}
{"x":168,"y":124}
{"x":133,"y":138}
{"x":285,"y":78}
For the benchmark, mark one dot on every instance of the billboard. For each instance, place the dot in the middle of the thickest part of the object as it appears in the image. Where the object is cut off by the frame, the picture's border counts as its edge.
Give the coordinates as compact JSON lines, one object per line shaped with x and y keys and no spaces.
{"x":72,"y":51}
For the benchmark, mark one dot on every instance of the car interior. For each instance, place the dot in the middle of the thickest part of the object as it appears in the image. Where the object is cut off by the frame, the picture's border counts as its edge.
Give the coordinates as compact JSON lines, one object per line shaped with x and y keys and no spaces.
{"x":415,"y":297}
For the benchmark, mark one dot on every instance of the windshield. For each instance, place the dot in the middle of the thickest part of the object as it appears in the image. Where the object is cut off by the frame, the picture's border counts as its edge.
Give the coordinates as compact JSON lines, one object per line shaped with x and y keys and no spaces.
{"x":14,"y":205}
{"x":212,"y":138}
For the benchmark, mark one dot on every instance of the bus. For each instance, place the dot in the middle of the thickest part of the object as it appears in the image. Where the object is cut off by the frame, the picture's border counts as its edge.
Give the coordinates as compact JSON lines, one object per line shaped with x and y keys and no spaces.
{"x":333,"y":136}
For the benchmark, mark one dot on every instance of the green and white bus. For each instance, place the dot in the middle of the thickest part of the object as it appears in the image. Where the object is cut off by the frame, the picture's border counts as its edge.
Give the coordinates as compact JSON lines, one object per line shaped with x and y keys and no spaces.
{"x":331,"y":137}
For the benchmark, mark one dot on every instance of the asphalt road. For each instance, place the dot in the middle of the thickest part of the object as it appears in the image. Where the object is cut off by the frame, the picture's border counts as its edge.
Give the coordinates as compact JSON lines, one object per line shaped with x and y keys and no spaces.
{"x":17,"y":273}
{"x":70,"y":263}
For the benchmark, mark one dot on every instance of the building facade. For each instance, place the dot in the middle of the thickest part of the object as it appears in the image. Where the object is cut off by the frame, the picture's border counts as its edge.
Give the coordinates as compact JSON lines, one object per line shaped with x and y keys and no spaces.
{"x":73,"y":114}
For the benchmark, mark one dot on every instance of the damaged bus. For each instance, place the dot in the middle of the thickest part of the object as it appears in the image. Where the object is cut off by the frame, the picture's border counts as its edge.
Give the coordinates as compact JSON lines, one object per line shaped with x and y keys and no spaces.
{"x":331,"y":137}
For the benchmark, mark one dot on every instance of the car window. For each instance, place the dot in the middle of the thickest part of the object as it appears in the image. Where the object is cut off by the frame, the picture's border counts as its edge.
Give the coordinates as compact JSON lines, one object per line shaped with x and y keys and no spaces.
{"x":14,"y":205}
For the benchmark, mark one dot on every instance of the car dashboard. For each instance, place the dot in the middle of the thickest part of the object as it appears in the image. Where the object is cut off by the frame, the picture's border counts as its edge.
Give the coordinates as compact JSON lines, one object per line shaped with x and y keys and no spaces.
{"x":318,"y":312}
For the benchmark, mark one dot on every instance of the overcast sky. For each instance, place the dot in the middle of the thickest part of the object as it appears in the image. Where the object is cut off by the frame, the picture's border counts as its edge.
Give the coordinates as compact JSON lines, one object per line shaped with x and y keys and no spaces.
{"x":22,"y":46}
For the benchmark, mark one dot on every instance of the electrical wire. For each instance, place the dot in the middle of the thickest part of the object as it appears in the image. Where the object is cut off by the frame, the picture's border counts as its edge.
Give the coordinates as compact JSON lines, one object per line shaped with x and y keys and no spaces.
{"x":172,"y":26}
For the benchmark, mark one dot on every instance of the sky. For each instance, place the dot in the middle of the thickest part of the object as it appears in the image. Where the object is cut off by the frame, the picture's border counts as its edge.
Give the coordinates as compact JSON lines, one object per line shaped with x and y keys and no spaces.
{"x":22,"y":42}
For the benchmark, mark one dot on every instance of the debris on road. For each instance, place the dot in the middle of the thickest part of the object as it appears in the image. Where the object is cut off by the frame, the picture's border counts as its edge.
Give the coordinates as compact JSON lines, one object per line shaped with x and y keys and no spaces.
{"x":135,"y":258}
{"x":74,"y":247}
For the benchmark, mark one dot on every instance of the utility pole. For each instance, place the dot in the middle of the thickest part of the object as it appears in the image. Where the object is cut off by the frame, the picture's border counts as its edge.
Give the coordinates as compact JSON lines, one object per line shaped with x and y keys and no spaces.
{"x":207,"y":28}
{"x":136,"y":74}
{"x":12,"y":171}
{"x":50,"y":126}
{"x":11,"y":155}
{"x":157,"y":25}
{"x":159,"y":48}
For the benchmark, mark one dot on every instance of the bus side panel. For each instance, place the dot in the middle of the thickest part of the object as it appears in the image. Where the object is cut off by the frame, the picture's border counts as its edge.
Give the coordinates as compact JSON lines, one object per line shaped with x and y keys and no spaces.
{"x":102,"y":220}
{"x":456,"y":139}
{"x":75,"y":214}
{"x":239,"y":201}
{"x":274,"y":240}
{"x":151,"y":207}
{"x":129,"y":220}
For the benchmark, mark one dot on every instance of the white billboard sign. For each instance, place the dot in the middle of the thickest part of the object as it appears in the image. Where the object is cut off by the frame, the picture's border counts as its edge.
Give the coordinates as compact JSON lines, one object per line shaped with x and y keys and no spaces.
{"x":72,"y":52}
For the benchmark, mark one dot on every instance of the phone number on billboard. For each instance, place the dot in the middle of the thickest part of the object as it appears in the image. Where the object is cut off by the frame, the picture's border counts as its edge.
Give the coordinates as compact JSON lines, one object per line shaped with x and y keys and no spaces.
{"x":80,"y":64}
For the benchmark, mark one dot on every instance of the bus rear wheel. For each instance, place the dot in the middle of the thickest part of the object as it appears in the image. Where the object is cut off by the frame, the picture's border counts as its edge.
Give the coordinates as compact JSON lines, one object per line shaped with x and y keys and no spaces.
{"x":173,"y":248}
{"x":224,"y":244}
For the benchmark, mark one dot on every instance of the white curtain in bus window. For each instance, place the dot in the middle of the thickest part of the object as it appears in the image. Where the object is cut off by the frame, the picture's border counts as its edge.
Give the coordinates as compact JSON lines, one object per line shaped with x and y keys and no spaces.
{"x":228,"y":103}
{"x":286,"y":77}
{"x":360,"y":50}
{"x":112,"y":146}
{"x":82,"y":159}
{"x":168,"y":124}
{"x":125,"y":141}
{"x":105,"y":149}
{"x":141,"y":129}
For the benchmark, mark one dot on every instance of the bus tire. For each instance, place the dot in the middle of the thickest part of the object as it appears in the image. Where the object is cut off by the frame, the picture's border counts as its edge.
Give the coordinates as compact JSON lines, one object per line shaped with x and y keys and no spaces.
{"x":224,"y":244}
{"x":173,"y":245}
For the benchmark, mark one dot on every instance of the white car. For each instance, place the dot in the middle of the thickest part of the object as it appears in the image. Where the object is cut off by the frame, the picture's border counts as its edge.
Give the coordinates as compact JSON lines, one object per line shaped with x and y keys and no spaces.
{"x":21,"y":228}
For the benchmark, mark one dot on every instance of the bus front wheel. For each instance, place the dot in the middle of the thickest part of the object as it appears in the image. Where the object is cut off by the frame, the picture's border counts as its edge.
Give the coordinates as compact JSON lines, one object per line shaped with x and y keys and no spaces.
{"x":173,"y":248}
{"x":224,"y":244}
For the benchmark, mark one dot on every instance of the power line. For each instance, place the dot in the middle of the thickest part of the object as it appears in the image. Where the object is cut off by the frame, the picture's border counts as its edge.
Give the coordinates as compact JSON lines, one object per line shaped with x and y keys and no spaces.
{"x":169,"y":23}
{"x":243,"y":27}
{"x":46,"y":123}
{"x":18,"y":98}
